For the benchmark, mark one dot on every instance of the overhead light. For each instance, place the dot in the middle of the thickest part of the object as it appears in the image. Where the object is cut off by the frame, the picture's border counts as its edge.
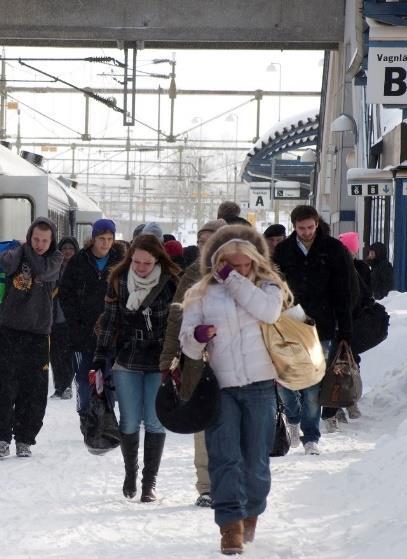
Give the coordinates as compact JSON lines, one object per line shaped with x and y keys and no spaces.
{"x":345,"y":123}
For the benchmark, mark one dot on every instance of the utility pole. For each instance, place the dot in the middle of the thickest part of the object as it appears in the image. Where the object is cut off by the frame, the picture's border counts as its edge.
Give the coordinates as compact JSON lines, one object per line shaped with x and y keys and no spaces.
{"x":3,"y":97}
{"x":199,"y":185}
{"x":235,"y":183}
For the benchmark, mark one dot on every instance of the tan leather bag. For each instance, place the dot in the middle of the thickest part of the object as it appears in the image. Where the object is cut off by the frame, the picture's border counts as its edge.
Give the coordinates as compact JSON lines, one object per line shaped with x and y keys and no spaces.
{"x":296,"y":352}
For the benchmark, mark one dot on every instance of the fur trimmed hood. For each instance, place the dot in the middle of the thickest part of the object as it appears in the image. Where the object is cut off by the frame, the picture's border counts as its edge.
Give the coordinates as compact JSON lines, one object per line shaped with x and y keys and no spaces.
{"x":226,"y":234}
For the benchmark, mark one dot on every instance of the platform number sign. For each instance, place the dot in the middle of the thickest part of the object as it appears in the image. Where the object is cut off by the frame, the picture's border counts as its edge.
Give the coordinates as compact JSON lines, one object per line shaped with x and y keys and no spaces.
{"x":373,"y":189}
{"x":356,"y":190}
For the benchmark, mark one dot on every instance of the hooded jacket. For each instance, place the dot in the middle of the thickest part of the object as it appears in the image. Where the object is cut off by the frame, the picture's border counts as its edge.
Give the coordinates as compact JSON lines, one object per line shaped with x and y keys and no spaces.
{"x":382,"y":272}
{"x":30,"y":280}
{"x":58,"y":314}
{"x":235,"y":307}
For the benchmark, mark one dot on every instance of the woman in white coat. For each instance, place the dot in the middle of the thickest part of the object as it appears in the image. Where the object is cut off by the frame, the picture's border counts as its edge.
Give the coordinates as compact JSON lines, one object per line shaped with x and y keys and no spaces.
{"x":239,"y":289}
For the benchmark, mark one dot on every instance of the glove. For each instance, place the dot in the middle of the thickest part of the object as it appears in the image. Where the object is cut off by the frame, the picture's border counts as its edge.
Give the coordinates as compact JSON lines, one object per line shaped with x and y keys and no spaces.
{"x":99,"y":365}
{"x":201,"y":333}
{"x":222,"y":274}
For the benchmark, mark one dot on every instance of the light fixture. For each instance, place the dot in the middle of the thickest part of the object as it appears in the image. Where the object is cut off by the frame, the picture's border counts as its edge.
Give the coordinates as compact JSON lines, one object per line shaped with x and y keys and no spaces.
{"x":345,"y":123}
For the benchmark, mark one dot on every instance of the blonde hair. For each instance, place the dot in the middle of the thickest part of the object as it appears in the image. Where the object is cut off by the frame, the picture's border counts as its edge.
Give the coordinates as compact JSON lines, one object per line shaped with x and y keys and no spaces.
{"x":262,"y":271}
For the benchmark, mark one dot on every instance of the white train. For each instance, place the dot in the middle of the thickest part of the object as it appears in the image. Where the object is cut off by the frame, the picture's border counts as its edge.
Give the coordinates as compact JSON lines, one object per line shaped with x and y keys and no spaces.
{"x":28,"y":192}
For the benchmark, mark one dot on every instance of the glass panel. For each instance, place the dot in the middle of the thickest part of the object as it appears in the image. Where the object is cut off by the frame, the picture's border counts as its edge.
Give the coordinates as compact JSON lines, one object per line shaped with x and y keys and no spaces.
{"x":15,"y":218}
{"x":83,"y":233}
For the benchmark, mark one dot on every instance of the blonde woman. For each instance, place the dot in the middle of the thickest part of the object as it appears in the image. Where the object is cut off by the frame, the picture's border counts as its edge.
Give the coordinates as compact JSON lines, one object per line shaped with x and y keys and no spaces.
{"x":238,"y":290}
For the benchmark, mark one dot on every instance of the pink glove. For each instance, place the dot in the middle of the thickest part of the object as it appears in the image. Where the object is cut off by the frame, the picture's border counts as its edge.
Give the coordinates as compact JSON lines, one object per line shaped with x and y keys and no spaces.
{"x":223,"y":273}
{"x":201,"y":333}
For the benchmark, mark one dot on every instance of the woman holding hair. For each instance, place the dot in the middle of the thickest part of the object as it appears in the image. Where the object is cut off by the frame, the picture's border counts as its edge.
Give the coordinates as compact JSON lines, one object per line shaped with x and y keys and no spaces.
{"x":238,"y":290}
{"x":133,"y":324}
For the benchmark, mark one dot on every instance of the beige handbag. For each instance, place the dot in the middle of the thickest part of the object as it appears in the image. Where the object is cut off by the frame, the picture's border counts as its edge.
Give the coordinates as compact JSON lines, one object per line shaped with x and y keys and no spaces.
{"x":296,"y":352}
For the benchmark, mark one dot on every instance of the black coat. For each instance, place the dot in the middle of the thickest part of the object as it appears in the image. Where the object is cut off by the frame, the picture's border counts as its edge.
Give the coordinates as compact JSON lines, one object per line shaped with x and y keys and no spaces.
{"x":324,"y":282}
{"x":82,"y":293}
{"x":382,"y":272}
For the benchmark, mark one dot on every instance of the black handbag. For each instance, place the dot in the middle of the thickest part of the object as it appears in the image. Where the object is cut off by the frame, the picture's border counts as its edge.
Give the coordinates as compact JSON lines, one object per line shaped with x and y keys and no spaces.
{"x":282,"y":439}
{"x":341,"y":386}
{"x":101,"y":430}
{"x":195,"y":414}
{"x":370,"y":328}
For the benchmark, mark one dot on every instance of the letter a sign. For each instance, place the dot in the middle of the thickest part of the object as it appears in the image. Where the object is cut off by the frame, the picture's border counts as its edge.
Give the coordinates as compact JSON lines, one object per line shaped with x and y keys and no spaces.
{"x":260,"y":198}
{"x":387,"y":75}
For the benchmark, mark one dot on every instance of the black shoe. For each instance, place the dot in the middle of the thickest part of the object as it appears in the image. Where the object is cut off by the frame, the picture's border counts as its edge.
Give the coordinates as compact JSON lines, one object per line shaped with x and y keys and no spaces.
{"x":204,"y":500}
{"x":57,"y":395}
{"x":66,"y":394}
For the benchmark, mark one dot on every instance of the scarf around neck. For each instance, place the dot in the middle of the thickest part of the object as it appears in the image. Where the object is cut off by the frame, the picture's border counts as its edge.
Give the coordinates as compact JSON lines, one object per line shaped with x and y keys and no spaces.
{"x":139,"y":287}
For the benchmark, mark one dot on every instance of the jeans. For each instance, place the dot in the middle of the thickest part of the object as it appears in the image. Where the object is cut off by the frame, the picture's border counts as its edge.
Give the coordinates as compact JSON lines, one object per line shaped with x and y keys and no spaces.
{"x":302,"y":406}
{"x":239,"y":443}
{"x":136,"y":393}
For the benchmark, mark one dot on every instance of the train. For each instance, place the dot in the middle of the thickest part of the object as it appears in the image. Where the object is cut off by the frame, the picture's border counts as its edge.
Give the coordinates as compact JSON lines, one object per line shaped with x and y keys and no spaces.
{"x":27,"y":191}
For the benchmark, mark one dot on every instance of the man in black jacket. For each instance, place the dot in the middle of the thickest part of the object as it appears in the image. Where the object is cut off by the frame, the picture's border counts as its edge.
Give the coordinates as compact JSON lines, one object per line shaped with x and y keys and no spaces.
{"x":381,"y":270}
{"x":319,"y":273}
{"x":81,"y":294}
{"x":25,"y":324}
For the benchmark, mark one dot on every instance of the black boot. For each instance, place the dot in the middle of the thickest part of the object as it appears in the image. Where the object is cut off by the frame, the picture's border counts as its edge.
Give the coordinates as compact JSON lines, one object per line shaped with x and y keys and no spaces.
{"x":153,"y":449}
{"x":129,"y":445}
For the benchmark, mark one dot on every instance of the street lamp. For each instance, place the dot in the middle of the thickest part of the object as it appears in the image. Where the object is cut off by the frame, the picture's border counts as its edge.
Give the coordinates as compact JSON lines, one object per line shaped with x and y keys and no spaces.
{"x":272,"y":67}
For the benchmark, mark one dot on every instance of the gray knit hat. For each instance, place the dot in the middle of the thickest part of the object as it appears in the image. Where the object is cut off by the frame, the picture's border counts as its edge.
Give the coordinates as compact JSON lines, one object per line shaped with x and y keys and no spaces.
{"x":212,"y":226}
{"x":152,"y":228}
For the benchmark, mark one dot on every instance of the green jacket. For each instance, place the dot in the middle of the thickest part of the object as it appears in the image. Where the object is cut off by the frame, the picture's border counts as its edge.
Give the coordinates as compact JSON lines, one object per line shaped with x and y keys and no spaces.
{"x":191,"y":369}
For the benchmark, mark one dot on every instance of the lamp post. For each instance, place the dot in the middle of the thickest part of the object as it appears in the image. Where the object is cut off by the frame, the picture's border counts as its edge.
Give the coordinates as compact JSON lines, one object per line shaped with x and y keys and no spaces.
{"x":272,"y":67}
{"x":233,"y":117}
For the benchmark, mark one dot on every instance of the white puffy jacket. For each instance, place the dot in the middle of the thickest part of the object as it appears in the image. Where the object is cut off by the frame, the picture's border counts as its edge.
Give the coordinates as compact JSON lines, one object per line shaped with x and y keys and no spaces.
{"x":237,"y":353}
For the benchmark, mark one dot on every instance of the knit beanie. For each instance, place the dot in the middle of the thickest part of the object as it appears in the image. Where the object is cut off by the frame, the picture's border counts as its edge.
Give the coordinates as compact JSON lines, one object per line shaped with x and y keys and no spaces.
{"x":173,"y":248}
{"x":153,"y":228}
{"x":275,"y":230}
{"x":350,"y":240}
{"x":101,"y":226}
{"x":212,"y":226}
{"x":137,"y":231}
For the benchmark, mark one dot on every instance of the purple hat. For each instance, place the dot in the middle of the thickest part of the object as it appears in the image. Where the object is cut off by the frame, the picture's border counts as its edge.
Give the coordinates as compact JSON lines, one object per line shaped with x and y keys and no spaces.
{"x":102,"y":226}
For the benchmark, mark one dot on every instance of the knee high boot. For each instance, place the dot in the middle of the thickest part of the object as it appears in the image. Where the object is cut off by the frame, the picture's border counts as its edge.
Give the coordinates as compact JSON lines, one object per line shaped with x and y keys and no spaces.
{"x":129,"y":446}
{"x":153,"y":449}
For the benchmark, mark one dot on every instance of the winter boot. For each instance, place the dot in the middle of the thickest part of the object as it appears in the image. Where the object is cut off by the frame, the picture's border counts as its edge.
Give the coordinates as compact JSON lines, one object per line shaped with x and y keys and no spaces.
{"x":153,"y":450}
{"x":129,"y":445}
{"x":340,"y":416}
{"x":354,"y":411}
{"x":23,"y":450}
{"x":331,"y":424}
{"x":4,"y":449}
{"x":204,"y":500}
{"x":249,"y":528}
{"x":232,"y":538}
{"x":294,"y":430}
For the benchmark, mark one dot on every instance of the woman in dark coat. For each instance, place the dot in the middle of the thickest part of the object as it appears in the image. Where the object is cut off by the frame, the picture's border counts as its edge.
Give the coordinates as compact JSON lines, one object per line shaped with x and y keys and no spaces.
{"x":137,"y":303}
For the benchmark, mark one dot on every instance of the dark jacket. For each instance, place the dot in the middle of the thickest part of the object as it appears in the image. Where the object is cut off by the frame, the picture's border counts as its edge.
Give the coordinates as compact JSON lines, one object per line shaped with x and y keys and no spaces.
{"x":82,"y":292}
{"x":137,"y":336}
{"x":381,"y":272}
{"x":58,"y":314}
{"x":365,"y":286}
{"x":324,"y":282}
{"x":30,"y":280}
{"x":191,"y":368}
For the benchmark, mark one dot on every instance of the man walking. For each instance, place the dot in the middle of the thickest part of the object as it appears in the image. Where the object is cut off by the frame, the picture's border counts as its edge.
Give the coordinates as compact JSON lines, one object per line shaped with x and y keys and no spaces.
{"x":319,"y":273}
{"x":25,"y":324}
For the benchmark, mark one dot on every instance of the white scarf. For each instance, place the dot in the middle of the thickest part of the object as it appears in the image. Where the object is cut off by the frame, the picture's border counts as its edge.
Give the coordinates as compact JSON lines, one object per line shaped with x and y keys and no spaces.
{"x":139,"y":287}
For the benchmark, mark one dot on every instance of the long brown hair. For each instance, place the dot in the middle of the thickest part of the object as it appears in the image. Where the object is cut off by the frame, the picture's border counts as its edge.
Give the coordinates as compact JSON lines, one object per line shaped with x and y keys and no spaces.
{"x":152,"y":245}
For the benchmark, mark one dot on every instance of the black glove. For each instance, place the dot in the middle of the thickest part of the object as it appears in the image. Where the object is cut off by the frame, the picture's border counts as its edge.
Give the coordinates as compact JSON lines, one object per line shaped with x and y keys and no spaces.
{"x":99,"y":365}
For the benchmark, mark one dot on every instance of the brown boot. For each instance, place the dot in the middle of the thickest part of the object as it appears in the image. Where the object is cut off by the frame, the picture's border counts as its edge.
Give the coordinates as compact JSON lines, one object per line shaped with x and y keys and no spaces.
{"x":249,"y":528}
{"x":232,"y":538}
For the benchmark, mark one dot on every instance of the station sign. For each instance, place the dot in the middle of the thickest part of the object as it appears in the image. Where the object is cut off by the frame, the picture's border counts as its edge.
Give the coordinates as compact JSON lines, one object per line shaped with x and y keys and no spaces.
{"x":387,"y":75}
{"x":370,"y":189}
{"x":260,"y":198}
{"x":284,"y":193}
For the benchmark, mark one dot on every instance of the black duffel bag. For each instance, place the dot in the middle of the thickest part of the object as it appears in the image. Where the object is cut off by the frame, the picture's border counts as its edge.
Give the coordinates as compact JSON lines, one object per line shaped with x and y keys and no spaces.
{"x":370,"y":328}
{"x":100,"y":428}
{"x":195,"y":414}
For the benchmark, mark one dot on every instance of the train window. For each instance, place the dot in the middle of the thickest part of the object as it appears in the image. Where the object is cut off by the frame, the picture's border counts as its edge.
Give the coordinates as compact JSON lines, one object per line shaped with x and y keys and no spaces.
{"x":83,"y":232}
{"x":16,"y":216}
{"x":61,"y":221}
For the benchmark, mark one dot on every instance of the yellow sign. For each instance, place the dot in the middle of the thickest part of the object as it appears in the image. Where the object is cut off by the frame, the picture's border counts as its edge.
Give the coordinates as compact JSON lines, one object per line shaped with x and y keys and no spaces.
{"x":12,"y":105}
{"x":251,"y":218}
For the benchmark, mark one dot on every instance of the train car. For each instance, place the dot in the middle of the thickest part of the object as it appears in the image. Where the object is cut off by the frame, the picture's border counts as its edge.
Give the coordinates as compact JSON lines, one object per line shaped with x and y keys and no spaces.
{"x":27,"y":192}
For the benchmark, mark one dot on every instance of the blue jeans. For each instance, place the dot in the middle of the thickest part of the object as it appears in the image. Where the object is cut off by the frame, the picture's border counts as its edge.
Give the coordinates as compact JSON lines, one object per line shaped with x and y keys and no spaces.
{"x":239,"y":444}
{"x":302,"y":406}
{"x":136,"y":393}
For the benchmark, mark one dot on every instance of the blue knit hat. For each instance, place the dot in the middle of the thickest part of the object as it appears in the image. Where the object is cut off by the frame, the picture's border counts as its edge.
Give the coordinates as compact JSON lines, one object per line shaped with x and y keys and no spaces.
{"x":102,"y":226}
{"x":152,"y":228}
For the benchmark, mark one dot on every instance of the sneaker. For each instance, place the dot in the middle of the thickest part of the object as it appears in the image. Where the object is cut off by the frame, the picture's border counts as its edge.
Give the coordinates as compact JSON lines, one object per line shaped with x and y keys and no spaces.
{"x":294,"y":430}
{"x":340,"y":416}
{"x":331,"y":424}
{"x":66,"y":394}
{"x":4,"y":449}
{"x":311,"y":448}
{"x":57,"y":395}
{"x":204,"y":500}
{"x":354,"y":412}
{"x":23,"y":450}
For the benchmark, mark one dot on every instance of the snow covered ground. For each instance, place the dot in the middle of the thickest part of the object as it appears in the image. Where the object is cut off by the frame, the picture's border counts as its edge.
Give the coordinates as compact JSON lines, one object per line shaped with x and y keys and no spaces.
{"x":349,"y":502}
